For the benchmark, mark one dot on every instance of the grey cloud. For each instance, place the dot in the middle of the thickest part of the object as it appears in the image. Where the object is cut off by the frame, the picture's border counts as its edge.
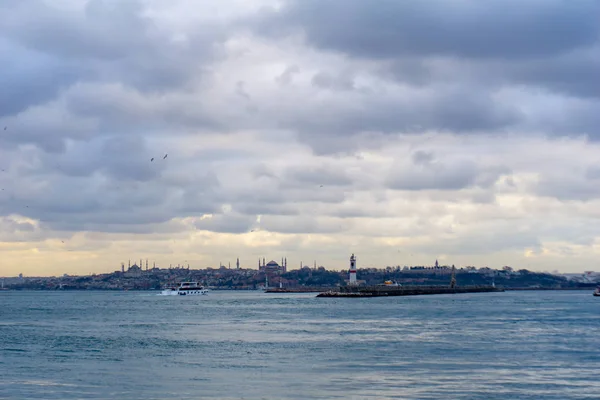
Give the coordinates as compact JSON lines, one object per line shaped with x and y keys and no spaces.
{"x":311,"y":178}
{"x":449,"y":109}
{"x":462,"y":54}
{"x":30,"y":77}
{"x":300,"y":224}
{"x":444,"y":175}
{"x":287,"y":76}
{"x":441,"y":177}
{"x":107,"y":41}
{"x":484,"y":240}
{"x":421,"y":157}
{"x":388,"y":29}
{"x":337,"y":82}
{"x":247,"y":208}
{"x":567,"y":188}
{"x":575,"y":74}
{"x":226,"y":223}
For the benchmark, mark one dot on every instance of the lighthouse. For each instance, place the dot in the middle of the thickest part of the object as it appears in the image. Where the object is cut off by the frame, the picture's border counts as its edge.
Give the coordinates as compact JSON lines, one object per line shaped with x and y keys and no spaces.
{"x":352,"y":270}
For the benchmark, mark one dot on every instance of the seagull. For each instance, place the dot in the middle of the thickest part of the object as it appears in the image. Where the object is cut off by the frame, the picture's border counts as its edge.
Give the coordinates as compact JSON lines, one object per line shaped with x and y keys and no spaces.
{"x":4,"y":128}
{"x":165,"y":156}
{"x":152,"y":159}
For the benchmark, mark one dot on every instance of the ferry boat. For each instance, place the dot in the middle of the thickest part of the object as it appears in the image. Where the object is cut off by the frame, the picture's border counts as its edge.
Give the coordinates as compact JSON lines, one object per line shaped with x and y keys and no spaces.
{"x":186,"y":289}
{"x":597,"y":291}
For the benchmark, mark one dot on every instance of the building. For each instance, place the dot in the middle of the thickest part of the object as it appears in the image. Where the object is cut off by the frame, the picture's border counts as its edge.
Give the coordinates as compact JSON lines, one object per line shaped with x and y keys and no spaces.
{"x":273,"y":267}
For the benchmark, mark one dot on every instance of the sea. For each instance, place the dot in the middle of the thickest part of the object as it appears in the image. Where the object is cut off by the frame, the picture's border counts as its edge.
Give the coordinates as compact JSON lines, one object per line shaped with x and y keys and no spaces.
{"x":255,"y":345}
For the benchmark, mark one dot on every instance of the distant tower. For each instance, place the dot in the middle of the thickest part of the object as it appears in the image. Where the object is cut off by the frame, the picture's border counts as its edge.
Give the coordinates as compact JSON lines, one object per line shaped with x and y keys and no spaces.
{"x":229,"y":265}
{"x":285,"y":265}
{"x":436,"y":263}
{"x":315,"y":264}
{"x":140,"y":264}
{"x":122,"y":267}
{"x":129,"y":264}
{"x":154,"y":265}
{"x":237,"y":263}
{"x":352,"y":270}
{"x":146,"y":264}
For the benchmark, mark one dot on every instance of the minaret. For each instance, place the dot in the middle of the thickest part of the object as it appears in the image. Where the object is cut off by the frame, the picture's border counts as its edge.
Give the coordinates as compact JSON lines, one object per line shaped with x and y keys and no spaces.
{"x":229,"y":265}
{"x":352,"y":270}
{"x":436,"y":263}
{"x":154,"y":265}
{"x":122,"y":267}
{"x":264,"y":262}
{"x":129,"y":264}
{"x":146,"y":264}
{"x":237,"y":263}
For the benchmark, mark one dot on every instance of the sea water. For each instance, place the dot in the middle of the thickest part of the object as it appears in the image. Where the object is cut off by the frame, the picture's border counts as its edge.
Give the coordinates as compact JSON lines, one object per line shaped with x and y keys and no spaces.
{"x":254,"y":345}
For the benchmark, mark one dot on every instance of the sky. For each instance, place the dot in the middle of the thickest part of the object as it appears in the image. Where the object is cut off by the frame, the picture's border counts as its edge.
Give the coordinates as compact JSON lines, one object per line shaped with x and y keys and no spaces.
{"x":403,"y":132}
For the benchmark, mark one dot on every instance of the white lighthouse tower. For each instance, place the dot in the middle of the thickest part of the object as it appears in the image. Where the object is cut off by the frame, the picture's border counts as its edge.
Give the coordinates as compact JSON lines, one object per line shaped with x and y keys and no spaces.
{"x":352,"y":270}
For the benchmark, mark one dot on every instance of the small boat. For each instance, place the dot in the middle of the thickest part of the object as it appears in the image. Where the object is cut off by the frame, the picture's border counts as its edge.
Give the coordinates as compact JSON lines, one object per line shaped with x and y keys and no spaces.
{"x":597,"y":292}
{"x":186,"y":289}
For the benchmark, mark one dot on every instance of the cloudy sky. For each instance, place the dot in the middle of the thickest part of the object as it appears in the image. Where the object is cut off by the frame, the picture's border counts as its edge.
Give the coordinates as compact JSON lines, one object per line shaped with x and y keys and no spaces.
{"x":400,"y":131}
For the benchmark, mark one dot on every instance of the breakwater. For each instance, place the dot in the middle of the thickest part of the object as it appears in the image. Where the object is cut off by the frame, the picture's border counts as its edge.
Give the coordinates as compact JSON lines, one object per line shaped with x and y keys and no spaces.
{"x":380,"y":291}
{"x":295,"y":290}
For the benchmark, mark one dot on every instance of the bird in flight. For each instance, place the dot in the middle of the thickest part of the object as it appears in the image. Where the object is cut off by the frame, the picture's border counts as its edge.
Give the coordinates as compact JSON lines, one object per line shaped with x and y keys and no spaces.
{"x":165,"y":156}
{"x":152,"y":159}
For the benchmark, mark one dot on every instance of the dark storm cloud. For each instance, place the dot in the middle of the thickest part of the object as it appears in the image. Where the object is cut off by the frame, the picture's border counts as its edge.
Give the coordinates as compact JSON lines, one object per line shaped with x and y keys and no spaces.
{"x":389,"y":28}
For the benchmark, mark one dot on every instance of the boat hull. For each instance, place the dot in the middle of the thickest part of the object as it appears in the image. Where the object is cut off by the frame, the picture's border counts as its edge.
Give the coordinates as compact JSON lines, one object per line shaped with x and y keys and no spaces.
{"x":193,"y":292}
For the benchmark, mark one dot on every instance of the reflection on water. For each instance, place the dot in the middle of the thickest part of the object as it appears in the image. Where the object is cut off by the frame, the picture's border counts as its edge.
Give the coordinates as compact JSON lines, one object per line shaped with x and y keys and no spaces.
{"x":514,"y":345}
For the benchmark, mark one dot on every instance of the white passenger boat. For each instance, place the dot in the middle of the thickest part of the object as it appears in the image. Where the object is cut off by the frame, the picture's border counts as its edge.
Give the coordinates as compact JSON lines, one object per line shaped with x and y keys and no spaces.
{"x":186,"y":289}
{"x":597,"y":292}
